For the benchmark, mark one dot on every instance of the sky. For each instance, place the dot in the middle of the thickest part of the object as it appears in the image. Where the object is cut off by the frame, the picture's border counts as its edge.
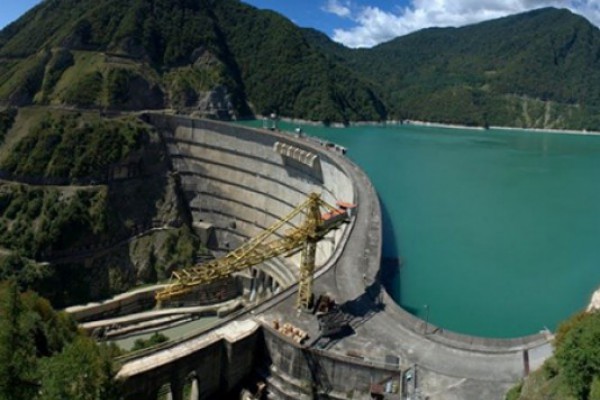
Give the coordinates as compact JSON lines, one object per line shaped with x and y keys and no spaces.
{"x":365,"y":23}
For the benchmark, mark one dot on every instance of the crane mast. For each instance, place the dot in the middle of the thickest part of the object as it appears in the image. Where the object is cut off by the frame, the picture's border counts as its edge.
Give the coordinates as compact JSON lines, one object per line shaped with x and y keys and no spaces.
{"x":303,"y":237}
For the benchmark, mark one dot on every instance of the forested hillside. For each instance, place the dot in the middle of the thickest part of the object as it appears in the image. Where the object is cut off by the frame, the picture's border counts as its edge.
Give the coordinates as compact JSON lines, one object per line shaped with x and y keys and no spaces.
{"x":43,"y":356}
{"x":88,"y":206}
{"x":227,"y":59}
{"x":218,"y":57}
{"x":537,"y":69}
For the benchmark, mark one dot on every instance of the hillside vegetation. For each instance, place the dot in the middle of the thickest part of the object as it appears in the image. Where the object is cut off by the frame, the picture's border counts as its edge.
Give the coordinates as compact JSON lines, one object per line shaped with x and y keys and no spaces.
{"x":217,"y":57}
{"x":573,"y":373}
{"x":7,"y":119}
{"x":92,"y":196}
{"x":225,"y":58}
{"x":44,"y":357}
{"x":537,"y":69}
{"x":65,"y":147}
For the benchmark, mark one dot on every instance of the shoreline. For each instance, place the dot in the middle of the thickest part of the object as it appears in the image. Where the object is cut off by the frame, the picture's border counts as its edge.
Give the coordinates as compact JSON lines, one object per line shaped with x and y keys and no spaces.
{"x":503,"y":128}
{"x":548,"y":130}
{"x":409,"y":122}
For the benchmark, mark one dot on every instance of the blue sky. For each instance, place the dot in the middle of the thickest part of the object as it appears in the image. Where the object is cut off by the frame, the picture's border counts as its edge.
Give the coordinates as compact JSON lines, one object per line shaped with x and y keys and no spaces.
{"x":365,"y":23}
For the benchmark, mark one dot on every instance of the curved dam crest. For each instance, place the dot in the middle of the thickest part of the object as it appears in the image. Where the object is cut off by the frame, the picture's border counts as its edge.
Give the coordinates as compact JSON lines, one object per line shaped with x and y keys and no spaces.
{"x":496,"y":231}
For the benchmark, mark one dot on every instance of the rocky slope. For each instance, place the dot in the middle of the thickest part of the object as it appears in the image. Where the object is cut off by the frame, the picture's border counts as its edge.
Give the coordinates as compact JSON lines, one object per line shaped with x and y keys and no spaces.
{"x":88,"y":206}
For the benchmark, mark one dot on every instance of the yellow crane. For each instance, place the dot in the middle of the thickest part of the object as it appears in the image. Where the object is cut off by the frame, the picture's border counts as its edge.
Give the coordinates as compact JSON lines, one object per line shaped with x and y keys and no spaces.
{"x":259,"y":249}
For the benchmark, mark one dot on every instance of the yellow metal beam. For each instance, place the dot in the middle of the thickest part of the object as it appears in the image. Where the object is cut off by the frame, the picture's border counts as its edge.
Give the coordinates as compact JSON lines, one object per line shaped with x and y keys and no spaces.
{"x":258,"y":250}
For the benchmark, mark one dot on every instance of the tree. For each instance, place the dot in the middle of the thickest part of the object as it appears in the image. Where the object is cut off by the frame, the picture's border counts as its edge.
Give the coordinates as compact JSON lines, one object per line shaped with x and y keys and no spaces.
{"x":24,"y":273}
{"x":43,"y":356}
{"x":595,"y":390}
{"x":82,"y":371}
{"x":153,"y":340}
{"x":18,"y":363}
{"x":578,"y":354}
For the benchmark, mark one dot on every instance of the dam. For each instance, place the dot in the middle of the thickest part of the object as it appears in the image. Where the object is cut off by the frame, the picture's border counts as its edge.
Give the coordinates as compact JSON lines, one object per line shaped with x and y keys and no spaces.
{"x":237,"y":181}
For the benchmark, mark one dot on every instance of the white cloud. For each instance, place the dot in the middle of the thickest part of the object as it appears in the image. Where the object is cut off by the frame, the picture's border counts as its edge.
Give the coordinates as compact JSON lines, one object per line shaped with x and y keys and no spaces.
{"x":341,"y":9}
{"x":374,"y":25}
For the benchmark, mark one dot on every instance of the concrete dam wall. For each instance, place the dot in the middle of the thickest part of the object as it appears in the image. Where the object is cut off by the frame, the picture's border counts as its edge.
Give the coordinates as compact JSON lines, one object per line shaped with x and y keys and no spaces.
{"x":238,"y":181}
{"x":241,"y":181}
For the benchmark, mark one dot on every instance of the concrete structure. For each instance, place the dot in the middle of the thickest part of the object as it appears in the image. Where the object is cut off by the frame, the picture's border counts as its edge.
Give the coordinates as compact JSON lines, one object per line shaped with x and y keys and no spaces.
{"x":214,"y":363}
{"x":241,"y":180}
{"x":143,"y":299}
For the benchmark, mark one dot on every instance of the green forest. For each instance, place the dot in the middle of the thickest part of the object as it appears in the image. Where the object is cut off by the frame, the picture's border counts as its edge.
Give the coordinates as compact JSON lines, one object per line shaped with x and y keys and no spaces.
{"x":538,"y":69}
{"x":158,"y":54}
{"x":485,"y":74}
{"x":43,"y":356}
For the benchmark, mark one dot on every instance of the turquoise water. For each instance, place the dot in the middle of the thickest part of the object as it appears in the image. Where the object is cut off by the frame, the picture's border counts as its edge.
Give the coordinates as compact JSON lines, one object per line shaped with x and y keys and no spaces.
{"x":498,"y":231}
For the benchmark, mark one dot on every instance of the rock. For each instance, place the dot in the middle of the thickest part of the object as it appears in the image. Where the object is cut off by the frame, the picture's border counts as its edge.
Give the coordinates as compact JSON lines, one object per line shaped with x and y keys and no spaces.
{"x":217,"y":103}
{"x":203,"y":58}
{"x":595,"y":302}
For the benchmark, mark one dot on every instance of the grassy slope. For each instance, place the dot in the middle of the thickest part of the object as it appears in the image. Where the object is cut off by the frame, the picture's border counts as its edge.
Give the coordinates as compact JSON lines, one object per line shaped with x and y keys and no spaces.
{"x":573,"y":372}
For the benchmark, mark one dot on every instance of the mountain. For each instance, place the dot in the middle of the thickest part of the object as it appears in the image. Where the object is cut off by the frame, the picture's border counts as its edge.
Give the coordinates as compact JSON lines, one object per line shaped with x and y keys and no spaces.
{"x":215,"y":56}
{"x":225,"y":58}
{"x":536,"y":69}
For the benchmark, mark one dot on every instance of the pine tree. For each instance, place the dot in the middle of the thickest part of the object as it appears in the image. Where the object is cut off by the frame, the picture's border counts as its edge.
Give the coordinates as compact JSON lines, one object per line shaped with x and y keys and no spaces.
{"x":18,"y":364}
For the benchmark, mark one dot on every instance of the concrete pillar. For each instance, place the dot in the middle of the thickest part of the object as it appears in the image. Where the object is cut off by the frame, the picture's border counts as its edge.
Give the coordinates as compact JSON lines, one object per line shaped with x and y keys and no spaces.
{"x":195,"y":392}
{"x":176,"y":392}
{"x":269,"y":284}
{"x":261,"y":282}
{"x":253,"y":284}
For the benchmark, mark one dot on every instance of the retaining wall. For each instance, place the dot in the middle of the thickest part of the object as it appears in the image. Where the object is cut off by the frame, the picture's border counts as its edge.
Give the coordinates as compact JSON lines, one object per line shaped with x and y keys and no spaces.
{"x":294,"y":372}
{"x":215,"y":364}
{"x":144,"y":299}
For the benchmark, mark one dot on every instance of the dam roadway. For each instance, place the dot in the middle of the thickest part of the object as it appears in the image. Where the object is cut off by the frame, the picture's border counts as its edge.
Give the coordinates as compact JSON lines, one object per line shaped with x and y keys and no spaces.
{"x":384,"y":344}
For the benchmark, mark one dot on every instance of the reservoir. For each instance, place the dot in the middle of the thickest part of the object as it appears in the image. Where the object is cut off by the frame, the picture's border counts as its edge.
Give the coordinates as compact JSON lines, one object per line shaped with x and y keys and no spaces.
{"x":497,"y":231}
